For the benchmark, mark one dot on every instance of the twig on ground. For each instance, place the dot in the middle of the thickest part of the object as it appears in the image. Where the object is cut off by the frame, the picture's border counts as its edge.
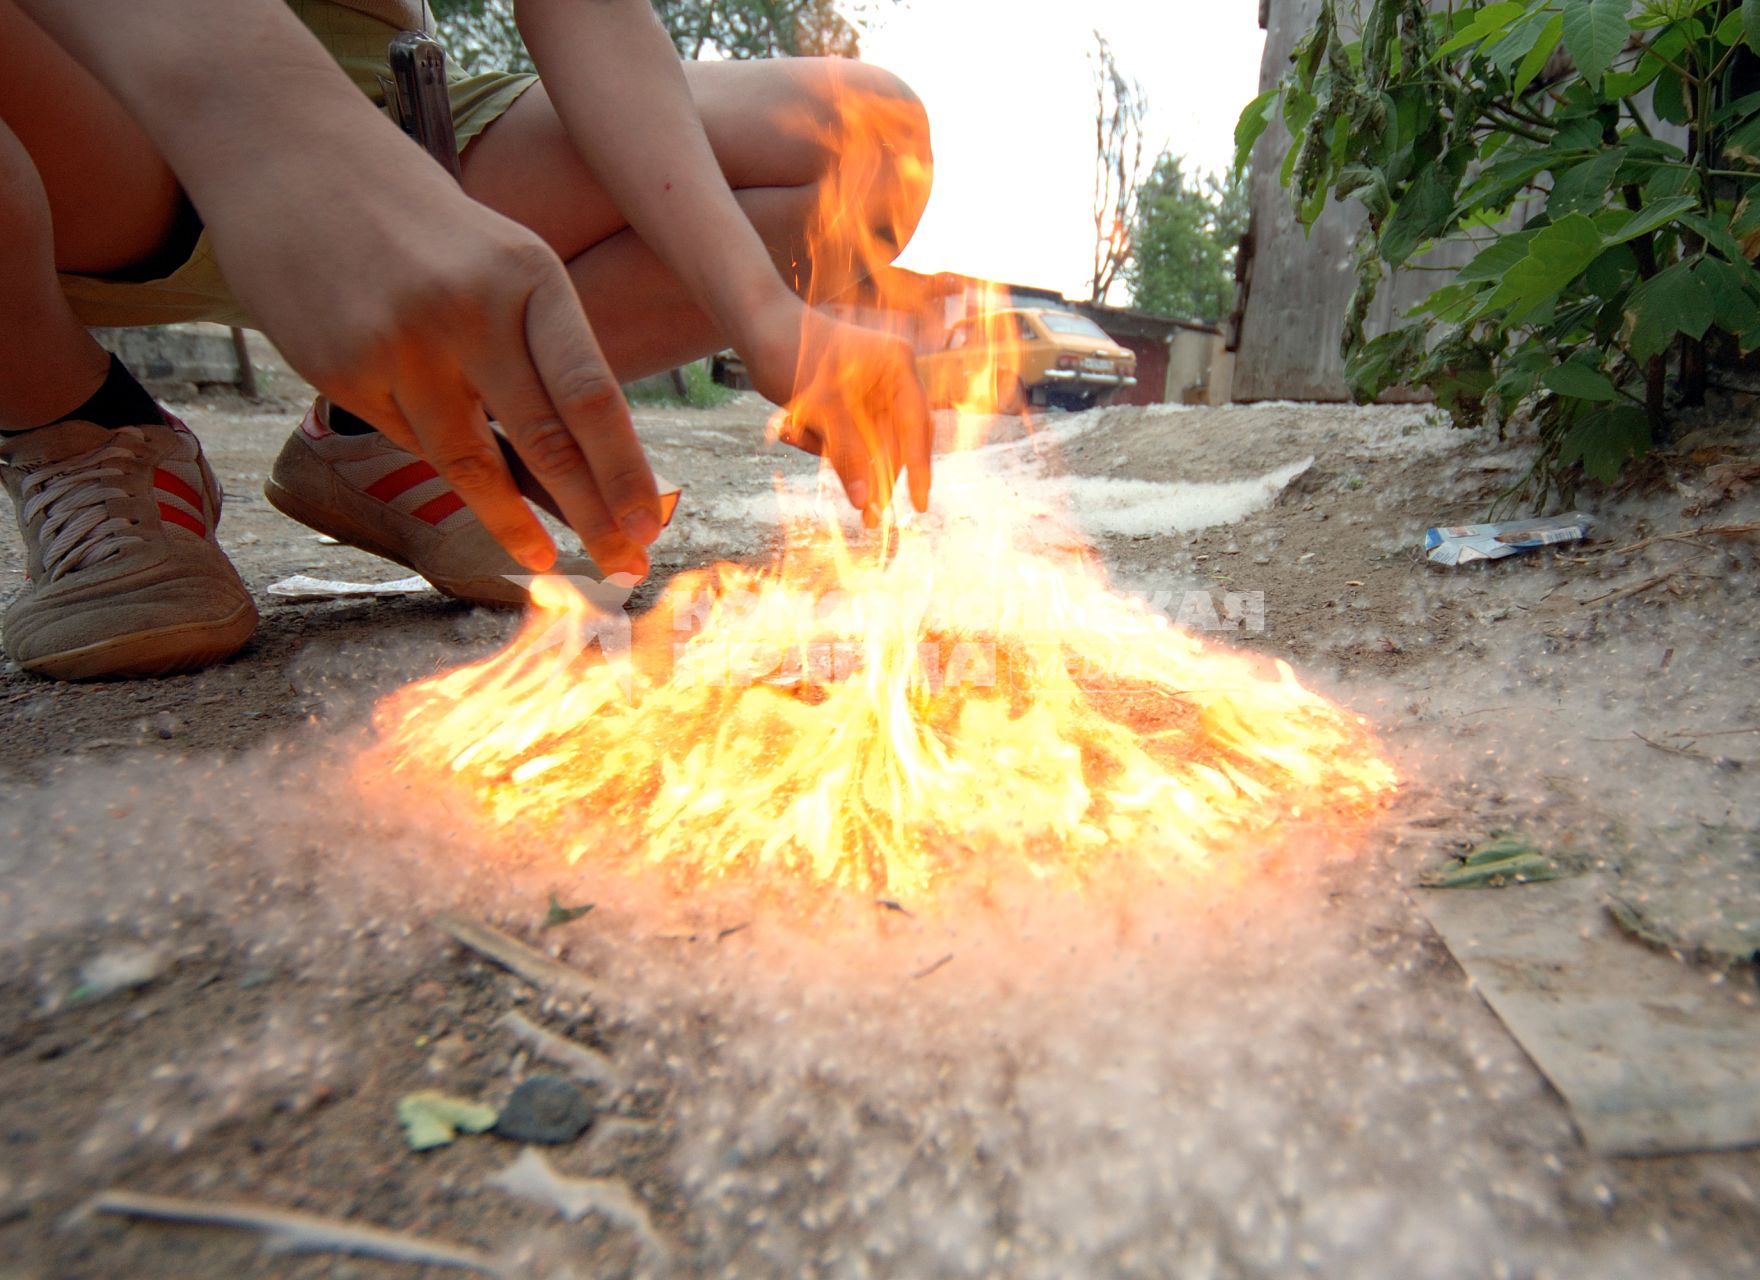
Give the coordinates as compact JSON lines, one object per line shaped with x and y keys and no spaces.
{"x":300,"y":1232}
{"x":608,"y":1129}
{"x":532,"y":1177}
{"x":1712,"y":733}
{"x":580,"y":1062}
{"x":1663,"y":746}
{"x":1685,"y":535}
{"x":924,"y":973}
{"x":1721,"y":762}
{"x":1637,"y":588}
{"x":517,"y":958}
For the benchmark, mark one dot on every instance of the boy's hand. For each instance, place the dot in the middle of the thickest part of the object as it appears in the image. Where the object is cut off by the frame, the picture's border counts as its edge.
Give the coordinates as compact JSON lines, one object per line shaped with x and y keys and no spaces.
{"x":852,"y":396}
{"x":417,"y":321}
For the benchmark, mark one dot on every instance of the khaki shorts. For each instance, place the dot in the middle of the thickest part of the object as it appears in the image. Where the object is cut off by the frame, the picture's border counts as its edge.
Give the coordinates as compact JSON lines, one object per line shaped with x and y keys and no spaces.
{"x":196,"y":290}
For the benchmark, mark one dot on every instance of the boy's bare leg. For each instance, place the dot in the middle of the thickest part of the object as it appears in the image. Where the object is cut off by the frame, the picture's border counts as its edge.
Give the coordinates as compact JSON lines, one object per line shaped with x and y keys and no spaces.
{"x":116,"y":505}
{"x":48,"y":362}
{"x":525,"y":167}
{"x":81,"y":189}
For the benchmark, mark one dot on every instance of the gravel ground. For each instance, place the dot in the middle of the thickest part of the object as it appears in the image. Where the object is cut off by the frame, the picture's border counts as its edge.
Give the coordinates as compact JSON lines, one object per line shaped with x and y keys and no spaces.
{"x":1314,"y":1090}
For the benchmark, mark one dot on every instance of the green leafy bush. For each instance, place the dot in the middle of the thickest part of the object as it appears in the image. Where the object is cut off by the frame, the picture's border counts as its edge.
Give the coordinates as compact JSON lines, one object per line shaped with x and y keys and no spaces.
{"x":1629,"y":137}
{"x":701,"y":391}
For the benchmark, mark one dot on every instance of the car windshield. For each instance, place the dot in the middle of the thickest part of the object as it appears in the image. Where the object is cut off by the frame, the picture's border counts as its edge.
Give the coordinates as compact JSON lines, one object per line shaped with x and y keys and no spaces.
{"x":1064,"y":322}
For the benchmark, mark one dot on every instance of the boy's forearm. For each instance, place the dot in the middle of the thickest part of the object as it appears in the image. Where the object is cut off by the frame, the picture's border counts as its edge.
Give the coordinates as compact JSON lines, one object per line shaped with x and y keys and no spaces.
{"x":620,"y":91}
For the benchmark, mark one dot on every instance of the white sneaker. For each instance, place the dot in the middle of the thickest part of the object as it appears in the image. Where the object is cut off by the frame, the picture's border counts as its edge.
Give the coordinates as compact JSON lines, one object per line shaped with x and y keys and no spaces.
{"x":369,"y":493}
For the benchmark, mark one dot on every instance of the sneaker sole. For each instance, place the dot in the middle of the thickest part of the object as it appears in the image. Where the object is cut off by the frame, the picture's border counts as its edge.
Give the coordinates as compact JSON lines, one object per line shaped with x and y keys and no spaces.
{"x":336,"y":525}
{"x":184,"y":647}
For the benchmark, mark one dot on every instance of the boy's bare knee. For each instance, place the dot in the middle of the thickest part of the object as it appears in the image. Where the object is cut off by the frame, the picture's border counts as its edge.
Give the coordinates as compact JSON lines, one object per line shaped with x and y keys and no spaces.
{"x":883,"y":134}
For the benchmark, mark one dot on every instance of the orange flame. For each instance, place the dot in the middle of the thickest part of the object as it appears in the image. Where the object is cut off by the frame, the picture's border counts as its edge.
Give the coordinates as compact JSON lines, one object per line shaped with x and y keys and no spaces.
{"x":962,"y":699}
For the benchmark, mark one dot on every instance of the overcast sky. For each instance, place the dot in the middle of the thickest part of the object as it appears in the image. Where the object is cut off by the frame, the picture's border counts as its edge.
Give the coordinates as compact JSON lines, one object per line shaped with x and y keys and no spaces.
{"x":1009,"y":85}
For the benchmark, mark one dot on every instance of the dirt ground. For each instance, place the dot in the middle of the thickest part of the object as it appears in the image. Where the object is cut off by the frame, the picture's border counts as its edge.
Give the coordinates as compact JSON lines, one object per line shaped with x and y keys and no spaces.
{"x":290,"y":1001}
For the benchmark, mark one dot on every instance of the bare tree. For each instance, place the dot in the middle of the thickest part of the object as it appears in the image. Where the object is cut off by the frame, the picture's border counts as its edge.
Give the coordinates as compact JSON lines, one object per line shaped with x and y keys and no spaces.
{"x":1119,"y":109}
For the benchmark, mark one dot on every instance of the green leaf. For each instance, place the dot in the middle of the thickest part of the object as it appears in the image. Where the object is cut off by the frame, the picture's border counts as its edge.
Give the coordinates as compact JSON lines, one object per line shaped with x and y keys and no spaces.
{"x":1503,"y":860}
{"x":1580,"y":382}
{"x":1492,"y":20}
{"x":1584,"y":187}
{"x":557,"y":914}
{"x":1605,"y":440}
{"x":1594,"y":32}
{"x":1626,"y":84}
{"x":1535,"y":62}
{"x":1743,"y":143}
{"x":1670,"y":180}
{"x":1253,"y":122}
{"x":1751,"y":23}
{"x":1670,"y":98}
{"x":1383,"y":362}
{"x":1500,"y":182}
{"x":1730,"y":30}
{"x":1423,"y":212}
{"x":1517,"y":378}
{"x":1517,"y":42}
{"x":1556,"y":256}
{"x":1747,"y":218}
{"x":1650,"y":217}
{"x":1606,"y":275}
{"x":1715,"y":235}
{"x":432,"y":1119}
{"x":1741,"y":109}
{"x":1733,"y":286}
{"x":1675,"y":301}
{"x":1495,"y":259}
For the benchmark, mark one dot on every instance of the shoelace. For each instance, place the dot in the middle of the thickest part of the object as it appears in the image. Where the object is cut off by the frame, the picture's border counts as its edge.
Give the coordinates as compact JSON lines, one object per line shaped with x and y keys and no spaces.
{"x":72,"y":497}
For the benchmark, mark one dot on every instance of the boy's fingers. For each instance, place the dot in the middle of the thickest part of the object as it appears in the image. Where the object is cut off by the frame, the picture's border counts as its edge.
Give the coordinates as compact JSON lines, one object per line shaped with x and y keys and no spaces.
{"x":550,"y":453}
{"x":453,"y":434}
{"x":587,"y":399}
{"x":917,"y":426}
{"x":850,"y":458}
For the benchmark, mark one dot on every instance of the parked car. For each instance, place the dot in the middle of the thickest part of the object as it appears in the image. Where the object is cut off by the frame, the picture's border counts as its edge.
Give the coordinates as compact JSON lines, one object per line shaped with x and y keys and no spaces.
{"x":1030,"y":355}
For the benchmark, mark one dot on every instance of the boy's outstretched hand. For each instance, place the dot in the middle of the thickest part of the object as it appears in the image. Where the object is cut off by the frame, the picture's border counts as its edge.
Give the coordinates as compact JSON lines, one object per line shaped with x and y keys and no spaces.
{"x":852,"y":396}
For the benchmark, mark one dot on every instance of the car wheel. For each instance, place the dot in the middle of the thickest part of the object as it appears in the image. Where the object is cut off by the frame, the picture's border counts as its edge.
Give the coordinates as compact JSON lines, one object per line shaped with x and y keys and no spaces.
{"x":1011,"y":395}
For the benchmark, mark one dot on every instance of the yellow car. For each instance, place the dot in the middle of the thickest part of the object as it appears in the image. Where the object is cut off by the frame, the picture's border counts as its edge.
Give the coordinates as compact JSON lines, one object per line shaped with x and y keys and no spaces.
{"x":1027,"y":355}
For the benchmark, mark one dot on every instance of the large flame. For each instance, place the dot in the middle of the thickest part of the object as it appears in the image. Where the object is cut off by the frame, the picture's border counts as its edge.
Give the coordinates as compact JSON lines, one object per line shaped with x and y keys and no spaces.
{"x":955,"y":699}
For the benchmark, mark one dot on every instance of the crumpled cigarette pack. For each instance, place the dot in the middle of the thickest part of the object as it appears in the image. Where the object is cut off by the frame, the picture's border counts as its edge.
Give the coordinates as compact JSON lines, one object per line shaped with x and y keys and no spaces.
{"x":1465,"y":543}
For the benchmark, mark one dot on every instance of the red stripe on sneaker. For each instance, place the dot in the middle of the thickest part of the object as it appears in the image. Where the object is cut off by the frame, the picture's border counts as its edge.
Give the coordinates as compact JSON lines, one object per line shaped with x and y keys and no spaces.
{"x":437,"y":509}
{"x":183,"y":519}
{"x":402,"y":480}
{"x":177,"y":487}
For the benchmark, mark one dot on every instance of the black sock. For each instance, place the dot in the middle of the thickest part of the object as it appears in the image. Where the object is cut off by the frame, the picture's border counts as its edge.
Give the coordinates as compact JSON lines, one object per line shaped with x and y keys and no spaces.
{"x":119,"y":402}
{"x":344,"y":423}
